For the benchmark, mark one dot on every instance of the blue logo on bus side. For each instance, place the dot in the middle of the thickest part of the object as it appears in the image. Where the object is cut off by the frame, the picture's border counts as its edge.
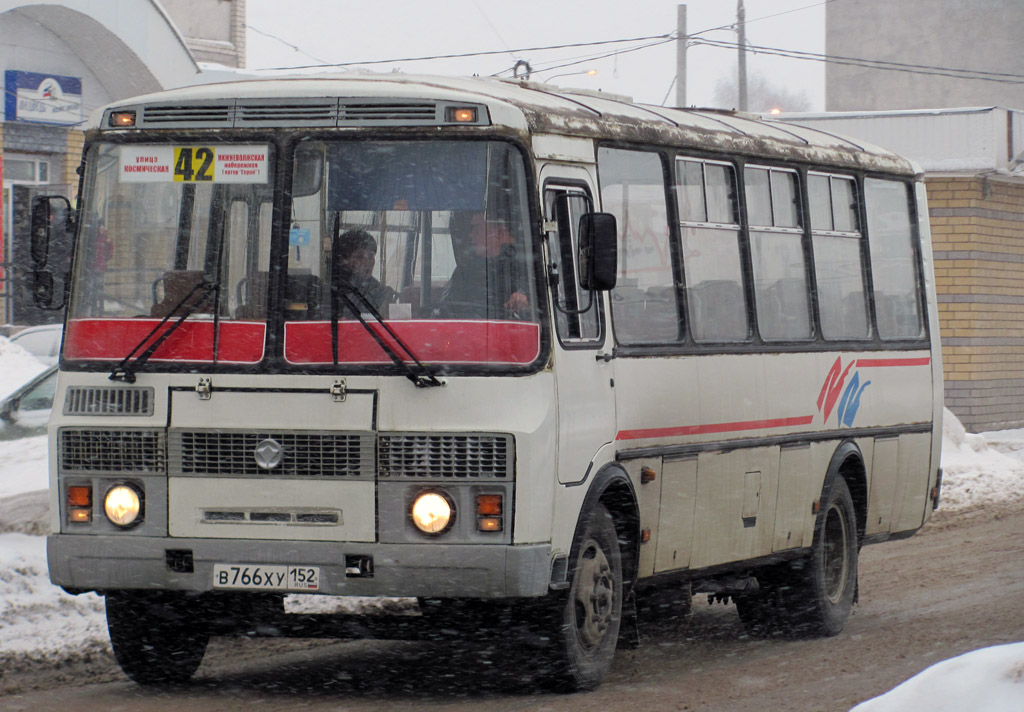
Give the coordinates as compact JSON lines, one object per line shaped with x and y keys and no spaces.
{"x":849,"y":403}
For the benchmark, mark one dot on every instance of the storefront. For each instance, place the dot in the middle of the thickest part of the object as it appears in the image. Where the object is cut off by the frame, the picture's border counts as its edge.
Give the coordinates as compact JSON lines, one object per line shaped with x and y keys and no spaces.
{"x":61,"y":60}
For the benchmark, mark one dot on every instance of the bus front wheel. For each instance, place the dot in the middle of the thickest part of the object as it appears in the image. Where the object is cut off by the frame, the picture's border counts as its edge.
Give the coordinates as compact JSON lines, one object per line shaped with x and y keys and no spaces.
{"x":588,"y":625}
{"x":155,"y":636}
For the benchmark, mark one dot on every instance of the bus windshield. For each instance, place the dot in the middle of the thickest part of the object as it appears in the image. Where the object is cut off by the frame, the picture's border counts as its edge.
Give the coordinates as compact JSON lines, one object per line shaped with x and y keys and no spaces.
{"x":431,"y":237}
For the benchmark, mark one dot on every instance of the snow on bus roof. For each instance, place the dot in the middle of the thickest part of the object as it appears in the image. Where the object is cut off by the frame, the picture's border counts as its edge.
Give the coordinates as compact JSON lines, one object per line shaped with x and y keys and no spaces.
{"x":539,"y":108}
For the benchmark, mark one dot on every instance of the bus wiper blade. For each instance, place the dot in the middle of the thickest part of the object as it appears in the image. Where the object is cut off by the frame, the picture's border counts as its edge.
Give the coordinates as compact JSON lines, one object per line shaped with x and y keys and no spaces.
{"x":126,"y":370}
{"x":421,"y":376}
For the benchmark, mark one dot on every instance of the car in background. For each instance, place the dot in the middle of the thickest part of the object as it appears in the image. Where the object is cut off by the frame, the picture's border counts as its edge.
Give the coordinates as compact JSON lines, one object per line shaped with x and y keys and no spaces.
{"x":26,"y":411}
{"x":43,"y":342}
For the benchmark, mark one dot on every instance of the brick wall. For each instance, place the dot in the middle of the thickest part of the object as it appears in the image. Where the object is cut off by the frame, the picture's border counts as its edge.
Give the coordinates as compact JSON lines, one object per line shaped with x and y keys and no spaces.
{"x":977,"y":226}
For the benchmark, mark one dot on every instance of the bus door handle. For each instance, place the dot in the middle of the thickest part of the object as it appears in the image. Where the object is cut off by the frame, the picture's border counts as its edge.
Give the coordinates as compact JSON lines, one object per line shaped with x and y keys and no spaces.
{"x":604,"y":357}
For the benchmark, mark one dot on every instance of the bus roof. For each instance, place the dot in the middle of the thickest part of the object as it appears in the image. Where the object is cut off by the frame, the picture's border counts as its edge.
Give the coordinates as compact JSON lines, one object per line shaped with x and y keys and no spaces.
{"x":527,"y":107}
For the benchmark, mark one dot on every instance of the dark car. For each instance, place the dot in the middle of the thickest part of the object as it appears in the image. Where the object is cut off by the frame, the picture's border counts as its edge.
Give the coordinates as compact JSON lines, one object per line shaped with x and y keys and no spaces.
{"x":26,"y":411}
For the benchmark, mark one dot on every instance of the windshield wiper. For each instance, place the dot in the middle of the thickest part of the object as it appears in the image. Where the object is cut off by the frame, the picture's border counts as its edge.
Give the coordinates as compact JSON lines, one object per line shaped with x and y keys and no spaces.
{"x":126,"y":370}
{"x":421,"y":376}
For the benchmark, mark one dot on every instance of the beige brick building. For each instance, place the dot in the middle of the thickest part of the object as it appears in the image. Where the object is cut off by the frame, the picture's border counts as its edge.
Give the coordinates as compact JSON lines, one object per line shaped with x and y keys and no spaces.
{"x":977,"y":225}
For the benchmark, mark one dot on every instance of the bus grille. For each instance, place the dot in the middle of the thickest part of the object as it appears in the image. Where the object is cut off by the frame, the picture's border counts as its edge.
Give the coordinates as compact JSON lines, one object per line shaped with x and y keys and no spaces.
{"x":88,"y":400}
{"x":445,"y":456}
{"x":110,"y":450}
{"x":220,"y":453}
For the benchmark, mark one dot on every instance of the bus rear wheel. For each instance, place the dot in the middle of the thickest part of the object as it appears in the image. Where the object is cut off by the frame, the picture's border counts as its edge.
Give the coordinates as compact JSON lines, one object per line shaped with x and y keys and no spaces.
{"x":156,"y":637}
{"x":590,"y":616}
{"x":825,"y":586}
{"x":812,"y":597}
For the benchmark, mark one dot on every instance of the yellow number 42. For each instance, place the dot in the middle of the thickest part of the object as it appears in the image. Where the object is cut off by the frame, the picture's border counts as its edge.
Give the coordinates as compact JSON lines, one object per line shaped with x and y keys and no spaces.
{"x":193,"y":164}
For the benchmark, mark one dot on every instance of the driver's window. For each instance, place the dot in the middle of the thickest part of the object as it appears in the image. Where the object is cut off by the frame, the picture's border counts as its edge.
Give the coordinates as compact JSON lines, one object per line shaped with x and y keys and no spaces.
{"x":576,"y":311}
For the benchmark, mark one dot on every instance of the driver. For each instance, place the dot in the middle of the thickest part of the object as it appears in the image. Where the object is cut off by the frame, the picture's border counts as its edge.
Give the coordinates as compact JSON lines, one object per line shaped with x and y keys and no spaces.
{"x":488,"y":280}
{"x":354,"y":259}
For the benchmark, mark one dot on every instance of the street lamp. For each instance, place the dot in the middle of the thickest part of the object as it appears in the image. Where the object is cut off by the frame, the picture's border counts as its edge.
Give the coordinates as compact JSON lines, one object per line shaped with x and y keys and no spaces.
{"x":589,"y":73}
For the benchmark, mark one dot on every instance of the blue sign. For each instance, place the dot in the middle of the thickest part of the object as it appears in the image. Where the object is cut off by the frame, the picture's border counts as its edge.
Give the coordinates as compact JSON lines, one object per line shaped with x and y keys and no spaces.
{"x":42,"y":98}
{"x":298,"y":237}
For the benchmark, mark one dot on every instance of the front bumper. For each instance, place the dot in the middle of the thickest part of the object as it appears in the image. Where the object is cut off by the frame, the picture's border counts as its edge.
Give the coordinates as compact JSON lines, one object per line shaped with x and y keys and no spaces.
{"x":87,"y":563}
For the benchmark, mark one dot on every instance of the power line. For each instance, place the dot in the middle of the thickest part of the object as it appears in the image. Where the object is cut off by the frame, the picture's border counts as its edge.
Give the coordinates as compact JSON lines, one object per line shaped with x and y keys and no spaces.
{"x":925,"y":69}
{"x":284,"y":42}
{"x":482,"y":53}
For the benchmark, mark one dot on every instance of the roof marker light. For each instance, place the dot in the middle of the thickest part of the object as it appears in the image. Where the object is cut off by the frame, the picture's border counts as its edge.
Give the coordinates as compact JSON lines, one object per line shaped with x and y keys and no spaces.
{"x":461,"y":115}
{"x":121,"y":119}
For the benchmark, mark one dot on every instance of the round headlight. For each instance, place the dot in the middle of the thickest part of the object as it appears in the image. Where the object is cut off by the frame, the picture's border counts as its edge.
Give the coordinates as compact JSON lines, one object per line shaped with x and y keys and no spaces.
{"x":432,"y":513}
{"x":122,"y":505}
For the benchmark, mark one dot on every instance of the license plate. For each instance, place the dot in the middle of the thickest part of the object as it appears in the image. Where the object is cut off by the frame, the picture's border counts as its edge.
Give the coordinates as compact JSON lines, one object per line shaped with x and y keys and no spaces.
{"x":266,"y":578}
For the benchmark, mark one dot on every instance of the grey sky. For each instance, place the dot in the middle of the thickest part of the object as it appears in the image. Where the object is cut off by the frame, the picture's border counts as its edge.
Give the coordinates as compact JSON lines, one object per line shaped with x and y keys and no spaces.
{"x":347,"y":31}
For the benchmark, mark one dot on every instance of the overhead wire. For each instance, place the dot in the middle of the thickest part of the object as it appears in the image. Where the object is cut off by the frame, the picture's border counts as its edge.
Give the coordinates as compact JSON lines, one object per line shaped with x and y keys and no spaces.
{"x":481,"y":53}
{"x":924,"y":69}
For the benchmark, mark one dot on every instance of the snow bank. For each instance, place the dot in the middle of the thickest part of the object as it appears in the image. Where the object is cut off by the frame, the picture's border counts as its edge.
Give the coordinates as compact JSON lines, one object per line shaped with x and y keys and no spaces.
{"x":36,"y":617}
{"x":990,"y":679}
{"x":979,"y":469}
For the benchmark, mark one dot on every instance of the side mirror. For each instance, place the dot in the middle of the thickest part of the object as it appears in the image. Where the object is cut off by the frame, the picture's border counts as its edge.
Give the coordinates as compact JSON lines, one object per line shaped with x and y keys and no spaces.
{"x":42,"y":288}
{"x":598,"y":251}
{"x":51,"y":217}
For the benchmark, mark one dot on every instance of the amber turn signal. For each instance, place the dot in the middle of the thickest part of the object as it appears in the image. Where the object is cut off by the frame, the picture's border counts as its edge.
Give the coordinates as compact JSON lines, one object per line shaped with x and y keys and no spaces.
{"x":80,"y":496}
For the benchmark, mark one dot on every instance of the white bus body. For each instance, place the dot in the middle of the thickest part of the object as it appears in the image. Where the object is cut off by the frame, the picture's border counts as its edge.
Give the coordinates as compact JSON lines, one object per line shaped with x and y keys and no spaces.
{"x":757,"y":397}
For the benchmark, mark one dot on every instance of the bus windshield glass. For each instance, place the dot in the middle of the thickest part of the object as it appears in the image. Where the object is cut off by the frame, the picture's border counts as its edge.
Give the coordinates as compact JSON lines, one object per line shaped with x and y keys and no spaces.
{"x":419,"y":249}
{"x":161,"y":225}
{"x":432,"y":236}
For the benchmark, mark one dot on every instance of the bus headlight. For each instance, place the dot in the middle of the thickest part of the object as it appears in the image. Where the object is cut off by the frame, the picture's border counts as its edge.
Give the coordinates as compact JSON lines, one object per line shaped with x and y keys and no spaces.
{"x":433,"y":513}
{"x":123,"y":505}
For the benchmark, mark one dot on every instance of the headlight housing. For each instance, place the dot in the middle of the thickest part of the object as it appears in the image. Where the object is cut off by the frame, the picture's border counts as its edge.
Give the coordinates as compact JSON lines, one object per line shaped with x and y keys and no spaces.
{"x":433,"y":512}
{"x":123,"y":505}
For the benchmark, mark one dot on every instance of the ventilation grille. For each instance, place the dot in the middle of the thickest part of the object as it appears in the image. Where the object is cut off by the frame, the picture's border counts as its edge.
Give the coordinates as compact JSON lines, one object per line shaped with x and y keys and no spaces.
{"x":221,"y":453}
{"x":84,"y":400}
{"x":318,"y":114}
{"x":194,"y":115}
{"x":445,"y":456}
{"x":109,"y":450}
{"x":364,"y":114}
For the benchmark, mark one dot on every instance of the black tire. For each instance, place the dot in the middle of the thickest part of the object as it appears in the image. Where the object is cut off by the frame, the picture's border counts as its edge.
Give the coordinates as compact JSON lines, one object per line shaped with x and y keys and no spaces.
{"x":825,"y":584}
{"x":591,"y":613}
{"x":812,"y":597}
{"x":156,"y":636}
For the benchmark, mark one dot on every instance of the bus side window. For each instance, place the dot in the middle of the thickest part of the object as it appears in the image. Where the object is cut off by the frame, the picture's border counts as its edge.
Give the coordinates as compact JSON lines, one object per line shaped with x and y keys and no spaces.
{"x":894,"y":269}
{"x":645,"y":305}
{"x":776,"y":248}
{"x":838,"y":264}
{"x":710,"y":232}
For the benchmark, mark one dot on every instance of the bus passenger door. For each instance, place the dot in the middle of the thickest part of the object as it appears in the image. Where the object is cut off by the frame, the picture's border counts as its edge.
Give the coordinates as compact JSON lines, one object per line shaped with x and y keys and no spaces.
{"x":586,"y":405}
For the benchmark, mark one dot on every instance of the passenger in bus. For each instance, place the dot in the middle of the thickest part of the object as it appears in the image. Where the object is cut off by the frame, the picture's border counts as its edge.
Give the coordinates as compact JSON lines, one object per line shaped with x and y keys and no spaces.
{"x":489,"y":277}
{"x":353,"y":259}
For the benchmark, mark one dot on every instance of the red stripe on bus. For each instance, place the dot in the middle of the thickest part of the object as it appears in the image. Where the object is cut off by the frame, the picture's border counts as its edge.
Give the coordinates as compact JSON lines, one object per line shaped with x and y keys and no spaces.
{"x":714,"y":428}
{"x":431,"y":340}
{"x":113,"y":339}
{"x":881,"y":362}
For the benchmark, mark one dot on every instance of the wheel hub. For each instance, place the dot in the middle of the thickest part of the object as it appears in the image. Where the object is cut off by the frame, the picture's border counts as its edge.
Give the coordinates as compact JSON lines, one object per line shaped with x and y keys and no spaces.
{"x":594,"y":595}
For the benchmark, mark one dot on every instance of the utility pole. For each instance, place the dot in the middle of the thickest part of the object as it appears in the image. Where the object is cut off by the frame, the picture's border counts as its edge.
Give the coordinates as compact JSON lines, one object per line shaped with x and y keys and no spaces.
{"x":741,"y":45}
{"x":681,"y":55}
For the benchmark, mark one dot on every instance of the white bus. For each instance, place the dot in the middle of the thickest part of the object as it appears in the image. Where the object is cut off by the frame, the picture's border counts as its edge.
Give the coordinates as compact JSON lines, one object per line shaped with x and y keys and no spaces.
{"x":505,"y":349}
